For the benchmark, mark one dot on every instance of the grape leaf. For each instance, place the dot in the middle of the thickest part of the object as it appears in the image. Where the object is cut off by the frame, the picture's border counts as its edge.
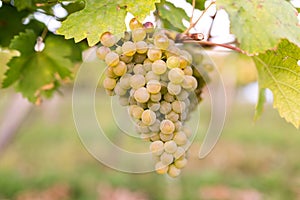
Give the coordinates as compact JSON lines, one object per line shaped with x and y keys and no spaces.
{"x":259,"y":25}
{"x":278,"y":70}
{"x":199,"y":4}
{"x":172,"y":14}
{"x":38,"y":73}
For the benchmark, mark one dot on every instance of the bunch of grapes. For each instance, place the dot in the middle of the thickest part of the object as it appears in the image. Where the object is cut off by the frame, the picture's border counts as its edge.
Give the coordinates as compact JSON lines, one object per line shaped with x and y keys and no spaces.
{"x":156,"y":80}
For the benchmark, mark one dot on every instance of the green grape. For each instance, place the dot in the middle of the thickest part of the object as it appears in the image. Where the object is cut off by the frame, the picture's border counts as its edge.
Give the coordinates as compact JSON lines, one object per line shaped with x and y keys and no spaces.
{"x":139,"y":69}
{"x":173,"y":62}
{"x":136,"y":111}
{"x":151,"y":76}
{"x":169,"y":97}
{"x":155,"y":97}
{"x":181,"y":163}
{"x":125,"y":81}
{"x":141,"y":95}
{"x":188,"y":71}
{"x":126,"y":59}
{"x":120,"y":69}
{"x":155,"y":137}
{"x":112,"y":59}
{"x":167,"y":127}
{"x":154,"y":106}
{"x":109,"y":83}
{"x":147,"y":65}
{"x":179,"y":153}
{"x":119,"y":90}
{"x":189,"y":83}
{"x":183,"y":95}
{"x":157,"y":148}
{"x":183,"y":62}
{"x":153,"y":86}
{"x":165,"y":107}
{"x":129,"y":48}
{"x":135,"y":24}
{"x":178,"y":125}
{"x":161,"y":41}
{"x":102,"y":51}
{"x":148,"y":117}
{"x":173,"y":171}
{"x":178,"y":106}
{"x":164,"y":77}
{"x":170,"y":147}
{"x":176,"y":75}
{"x":154,"y":54}
{"x":141,"y":47}
{"x":173,"y":116}
{"x":107,"y":39}
{"x":139,"y":58}
{"x":166,"y":137}
{"x":138,"y":34}
{"x":137,"y":81}
{"x":109,"y":72}
{"x":172,"y":51}
{"x":160,"y":168}
{"x":123,"y":100}
{"x":174,"y":89}
{"x":180,"y":138}
{"x":155,"y":127}
{"x":119,"y":50}
{"x":159,"y":67}
{"x":166,"y":158}
{"x":142,"y":128}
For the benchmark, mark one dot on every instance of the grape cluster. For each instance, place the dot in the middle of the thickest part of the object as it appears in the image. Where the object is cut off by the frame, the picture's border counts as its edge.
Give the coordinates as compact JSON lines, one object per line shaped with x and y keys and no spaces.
{"x":155,"y":79}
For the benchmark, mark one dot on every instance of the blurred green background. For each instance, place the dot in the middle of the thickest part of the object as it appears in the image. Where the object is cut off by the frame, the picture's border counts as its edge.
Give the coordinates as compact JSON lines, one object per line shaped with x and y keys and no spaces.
{"x":251,"y":161}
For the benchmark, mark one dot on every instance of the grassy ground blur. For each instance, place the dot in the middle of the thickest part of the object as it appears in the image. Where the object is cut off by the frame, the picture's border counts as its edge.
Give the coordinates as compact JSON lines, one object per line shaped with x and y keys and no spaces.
{"x":251,"y":161}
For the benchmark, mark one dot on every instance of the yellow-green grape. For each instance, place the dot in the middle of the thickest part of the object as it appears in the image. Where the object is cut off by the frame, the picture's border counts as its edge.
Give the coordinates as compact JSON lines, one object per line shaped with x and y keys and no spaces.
{"x":135,"y":24}
{"x":174,"y":89}
{"x":173,"y":171}
{"x":147,"y":64}
{"x":188,"y":71}
{"x":169,"y":97}
{"x":161,"y":41}
{"x":155,"y":127}
{"x":148,"y":117}
{"x":166,"y":137}
{"x":142,"y":128}
{"x":173,"y":62}
{"x":109,"y":83}
{"x":107,"y":39}
{"x":167,"y":126}
{"x":141,"y":95}
{"x":173,"y":116}
{"x":155,"y":97}
{"x":155,"y":137}
{"x":160,"y":168}
{"x":180,"y":138}
{"x":187,"y":131}
{"x":154,"y":54}
{"x":170,"y":147}
{"x":172,"y":51}
{"x":141,"y":47}
{"x":109,"y":72}
{"x":178,"y":106}
{"x":125,"y":81}
{"x":176,"y":75}
{"x":112,"y":59}
{"x":159,"y":67}
{"x":189,"y":82}
{"x":183,"y":63}
{"x":123,"y":100}
{"x":178,"y":125}
{"x":137,"y":81}
{"x":138,"y":34}
{"x":126,"y":59}
{"x":154,"y":106}
{"x":129,"y":48}
{"x":179,"y":153}
{"x":187,"y":56}
{"x":183,"y":95}
{"x":139,"y":69}
{"x":120,"y":69}
{"x":102,"y":51}
{"x":139,"y":58}
{"x":181,"y":163}
{"x":166,"y":158}
{"x":153,"y":86}
{"x":157,"y":148}
{"x":164,"y":77}
{"x":119,"y":90}
{"x":165,"y":107}
{"x":151,"y":76}
{"x":119,"y":50}
{"x":136,"y":111}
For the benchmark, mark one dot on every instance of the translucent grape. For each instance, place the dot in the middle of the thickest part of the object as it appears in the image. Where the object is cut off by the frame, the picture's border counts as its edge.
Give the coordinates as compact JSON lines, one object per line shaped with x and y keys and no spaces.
{"x":149,"y":27}
{"x":125,"y":81}
{"x":129,"y":48}
{"x":160,"y":168}
{"x":139,"y":58}
{"x":157,"y":148}
{"x":173,"y":62}
{"x":154,"y":106}
{"x":176,"y":75}
{"x":109,"y":72}
{"x":155,"y":127}
{"x":181,"y":163}
{"x":170,"y":147}
{"x":120,"y":69}
{"x":107,"y":39}
{"x":178,"y":106}
{"x":189,"y":83}
{"x":151,"y":76}
{"x":165,"y":107}
{"x":153,"y":86}
{"x":180,"y":138}
{"x":137,"y":81}
{"x":126,"y":59}
{"x":123,"y":100}
{"x":180,"y":152}
{"x":112,"y":59}
{"x":119,"y":90}
{"x":139,"y":69}
{"x":109,"y":83}
{"x":161,"y":41}
{"x":169,"y":97}
{"x":141,"y":95}
{"x":174,"y":89}
{"x":159,"y":67}
{"x":148,"y":117}
{"x":154,"y":54}
{"x":173,"y":171}
{"x":136,"y":111}
{"x":135,"y":24}
{"x":102,"y":51}
{"x":166,"y":158}
{"x":141,"y":47}
{"x":188,"y":71}
{"x":167,"y":127}
{"x":138,"y":34}
{"x":173,"y":116}
{"x":166,"y":137}
{"x":155,"y":97}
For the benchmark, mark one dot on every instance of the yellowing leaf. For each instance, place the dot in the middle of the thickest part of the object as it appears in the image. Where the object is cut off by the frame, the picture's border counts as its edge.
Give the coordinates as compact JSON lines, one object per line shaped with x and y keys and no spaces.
{"x":278,"y":70}
{"x":260,"y":25}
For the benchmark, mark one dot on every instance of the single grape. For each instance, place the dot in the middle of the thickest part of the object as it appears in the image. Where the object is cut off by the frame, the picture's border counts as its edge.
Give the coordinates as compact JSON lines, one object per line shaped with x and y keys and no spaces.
{"x":161,"y":41}
{"x":174,"y":89}
{"x":119,"y":90}
{"x":109,"y":72}
{"x":141,"y":47}
{"x":107,"y":39}
{"x":181,"y":163}
{"x":139,"y":58}
{"x":173,"y":116}
{"x":159,"y":67}
{"x":179,"y":153}
{"x":172,"y":51}
{"x":155,"y":97}
{"x":155,"y":127}
{"x":120,"y":69}
{"x":169,"y":97}
{"x":151,"y":76}
{"x":135,"y":24}
{"x":119,"y":50}
{"x":180,"y":138}
{"x":167,"y":127}
{"x":183,"y":95}
{"x":173,"y":171}
{"x":176,"y":75}
{"x":165,"y":107}
{"x":112,"y":59}
{"x":170,"y":147}
{"x":166,"y":137}
{"x":178,"y":106}
{"x":141,"y":95}
{"x":139,"y":69}
{"x":125,"y":81}
{"x":164,"y":77}
{"x":187,"y":56}
{"x":157,"y":148}
{"x":178,"y":125}
{"x":189,"y":82}
{"x":137,"y":81}
{"x":173,"y":62}
{"x":138,"y":34}
{"x":129,"y":48}
{"x":147,"y":65}
{"x":155,"y":137}
{"x":160,"y":168}
{"x":154,"y":106}
{"x":153,"y":86}
{"x":142,"y":128}
{"x":188,"y":71}
{"x":154,"y":54}
{"x":148,"y":117}
{"x":136,"y":111}
{"x":102,"y":52}
{"x":109,"y":83}
{"x":166,"y":158}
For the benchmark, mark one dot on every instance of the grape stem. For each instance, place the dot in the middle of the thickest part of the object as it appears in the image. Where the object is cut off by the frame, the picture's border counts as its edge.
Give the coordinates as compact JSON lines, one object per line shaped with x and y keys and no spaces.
{"x":192,"y":25}
{"x":192,"y":16}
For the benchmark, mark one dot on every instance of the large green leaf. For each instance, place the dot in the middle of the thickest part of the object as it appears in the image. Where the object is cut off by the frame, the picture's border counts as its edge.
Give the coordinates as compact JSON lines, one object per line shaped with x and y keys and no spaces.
{"x":100,"y":16}
{"x":278,"y":70}
{"x":199,"y":4}
{"x":259,"y":25}
{"x":172,"y":14}
{"x":5,"y":55}
{"x":32,"y":71}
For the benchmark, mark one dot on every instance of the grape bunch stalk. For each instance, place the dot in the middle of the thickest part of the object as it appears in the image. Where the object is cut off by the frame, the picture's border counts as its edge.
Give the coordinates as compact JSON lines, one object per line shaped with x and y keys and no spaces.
{"x":157,"y":81}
